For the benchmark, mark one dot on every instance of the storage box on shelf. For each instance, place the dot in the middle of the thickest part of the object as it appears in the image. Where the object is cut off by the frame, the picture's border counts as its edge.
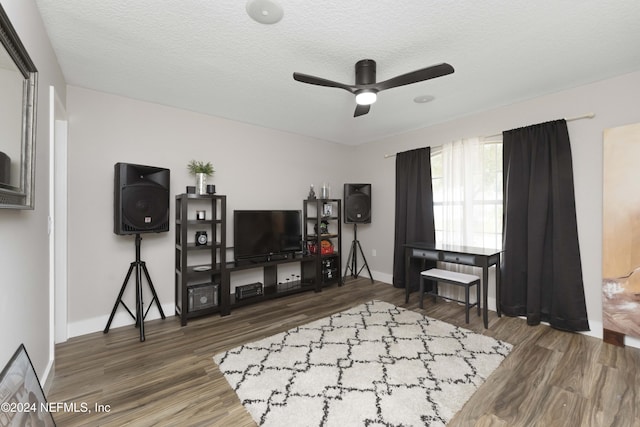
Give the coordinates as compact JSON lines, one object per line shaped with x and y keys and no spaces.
{"x":201,"y":278}
{"x":273,"y":285}
{"x":322,"y":223}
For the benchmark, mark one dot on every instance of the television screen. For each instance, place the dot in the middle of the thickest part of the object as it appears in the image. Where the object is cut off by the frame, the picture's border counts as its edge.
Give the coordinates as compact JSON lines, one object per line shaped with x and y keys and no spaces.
{"x":262,"y":233}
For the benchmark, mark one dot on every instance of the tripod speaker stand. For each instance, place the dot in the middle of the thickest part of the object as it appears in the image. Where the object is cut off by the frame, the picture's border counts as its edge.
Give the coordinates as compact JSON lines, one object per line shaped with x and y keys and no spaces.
{"x":352,"y":260}
{"x":140,"y":268}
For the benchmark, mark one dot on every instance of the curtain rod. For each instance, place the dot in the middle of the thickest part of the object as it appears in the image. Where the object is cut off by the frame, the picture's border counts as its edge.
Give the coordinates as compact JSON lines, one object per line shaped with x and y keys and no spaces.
{"x":569,"y":119}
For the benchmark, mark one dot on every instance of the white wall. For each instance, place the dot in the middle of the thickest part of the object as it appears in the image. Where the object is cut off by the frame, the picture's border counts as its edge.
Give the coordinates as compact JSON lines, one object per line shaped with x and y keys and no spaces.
{"x":256,"y":168}
{"x":615,"y":103}
{"x":262,"y":168}
{"x":24,"y":258}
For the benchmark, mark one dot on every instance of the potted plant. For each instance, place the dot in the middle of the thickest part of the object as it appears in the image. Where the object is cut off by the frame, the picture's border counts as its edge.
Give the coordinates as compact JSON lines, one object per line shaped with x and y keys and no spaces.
{"x":201,"y":170}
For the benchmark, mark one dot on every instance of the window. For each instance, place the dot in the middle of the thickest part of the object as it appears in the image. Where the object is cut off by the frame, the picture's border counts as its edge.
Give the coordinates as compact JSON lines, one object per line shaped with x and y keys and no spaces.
{"x":467,"y":193}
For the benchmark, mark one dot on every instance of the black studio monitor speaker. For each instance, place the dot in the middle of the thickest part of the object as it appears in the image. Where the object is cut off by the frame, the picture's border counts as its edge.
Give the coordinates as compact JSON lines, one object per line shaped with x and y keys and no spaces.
{"x":357,"y":203}
{"x":141,"y":199}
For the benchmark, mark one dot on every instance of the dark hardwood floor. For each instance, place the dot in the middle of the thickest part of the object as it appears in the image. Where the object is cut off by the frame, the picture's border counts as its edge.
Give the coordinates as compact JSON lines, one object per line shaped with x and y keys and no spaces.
{"x":551,"y":378}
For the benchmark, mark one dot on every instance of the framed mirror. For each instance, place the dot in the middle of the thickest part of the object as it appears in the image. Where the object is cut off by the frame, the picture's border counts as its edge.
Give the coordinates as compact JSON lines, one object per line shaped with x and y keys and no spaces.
{"x":18,"y":97}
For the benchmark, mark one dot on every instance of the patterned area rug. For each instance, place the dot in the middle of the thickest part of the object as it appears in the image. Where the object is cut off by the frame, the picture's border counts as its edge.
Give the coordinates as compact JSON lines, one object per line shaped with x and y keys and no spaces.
{"x":375,"y":364}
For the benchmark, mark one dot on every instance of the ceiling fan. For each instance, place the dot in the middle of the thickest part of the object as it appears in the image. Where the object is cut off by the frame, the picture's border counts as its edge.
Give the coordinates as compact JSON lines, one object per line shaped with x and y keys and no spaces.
{"x":366,"y":88}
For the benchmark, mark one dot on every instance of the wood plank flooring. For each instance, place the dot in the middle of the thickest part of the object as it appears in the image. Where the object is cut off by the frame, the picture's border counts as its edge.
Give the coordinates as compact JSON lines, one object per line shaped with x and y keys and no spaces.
{"x":551,"y":378}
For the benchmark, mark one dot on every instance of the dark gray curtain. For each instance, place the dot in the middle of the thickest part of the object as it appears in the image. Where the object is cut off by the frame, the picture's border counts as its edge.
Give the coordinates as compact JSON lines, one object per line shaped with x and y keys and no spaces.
{"x":541,"y":267}
{"x":414,"y":210}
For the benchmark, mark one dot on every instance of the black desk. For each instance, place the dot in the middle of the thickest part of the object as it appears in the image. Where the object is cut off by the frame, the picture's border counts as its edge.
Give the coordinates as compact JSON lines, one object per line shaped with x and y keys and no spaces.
{"x":467,"y":255}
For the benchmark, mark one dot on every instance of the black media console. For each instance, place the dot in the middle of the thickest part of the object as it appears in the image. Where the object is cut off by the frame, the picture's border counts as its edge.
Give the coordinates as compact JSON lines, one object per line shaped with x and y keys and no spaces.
{"x":204,"y":278}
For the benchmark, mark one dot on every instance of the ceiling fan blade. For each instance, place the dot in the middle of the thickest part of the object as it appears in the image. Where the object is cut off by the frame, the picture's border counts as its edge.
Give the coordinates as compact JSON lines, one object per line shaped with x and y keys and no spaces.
{"x":361,"y":110}
{"x":416,"y":76}
{"x":305,"y":78}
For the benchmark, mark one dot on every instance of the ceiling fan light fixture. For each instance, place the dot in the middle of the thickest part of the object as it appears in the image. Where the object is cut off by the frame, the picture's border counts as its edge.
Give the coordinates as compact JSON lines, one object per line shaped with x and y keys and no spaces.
{"x":366,"y":97}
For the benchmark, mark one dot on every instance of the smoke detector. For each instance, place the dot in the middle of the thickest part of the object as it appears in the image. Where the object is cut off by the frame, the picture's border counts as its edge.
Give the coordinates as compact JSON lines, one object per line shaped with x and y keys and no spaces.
{"x":264,"y":11}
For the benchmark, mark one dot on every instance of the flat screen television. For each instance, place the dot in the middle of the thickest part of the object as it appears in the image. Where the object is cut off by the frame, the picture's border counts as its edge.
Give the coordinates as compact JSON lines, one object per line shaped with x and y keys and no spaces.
{"x":266,"y":233}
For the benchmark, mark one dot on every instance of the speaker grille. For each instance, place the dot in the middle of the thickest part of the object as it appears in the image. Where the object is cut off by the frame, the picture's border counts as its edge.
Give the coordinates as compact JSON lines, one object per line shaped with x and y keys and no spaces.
{"x":145,"y":207}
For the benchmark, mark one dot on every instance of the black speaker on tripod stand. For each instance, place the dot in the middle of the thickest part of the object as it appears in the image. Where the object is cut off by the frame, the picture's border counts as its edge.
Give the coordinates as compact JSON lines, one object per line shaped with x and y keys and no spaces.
{"x":357,"y":210}
{"x":141,"y":205}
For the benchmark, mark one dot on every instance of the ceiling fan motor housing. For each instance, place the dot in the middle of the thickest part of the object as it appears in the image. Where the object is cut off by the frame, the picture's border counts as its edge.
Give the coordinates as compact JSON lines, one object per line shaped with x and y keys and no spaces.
{"x":365,"y":72}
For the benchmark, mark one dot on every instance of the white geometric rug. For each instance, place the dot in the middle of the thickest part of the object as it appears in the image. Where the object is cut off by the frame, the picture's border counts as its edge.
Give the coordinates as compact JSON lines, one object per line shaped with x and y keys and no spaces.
{"x":375,"y":364}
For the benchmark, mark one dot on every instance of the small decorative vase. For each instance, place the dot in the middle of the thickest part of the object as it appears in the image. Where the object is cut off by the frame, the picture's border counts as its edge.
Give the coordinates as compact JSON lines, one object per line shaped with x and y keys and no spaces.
{"x":324,"y":191}
{"x":201,"y":183}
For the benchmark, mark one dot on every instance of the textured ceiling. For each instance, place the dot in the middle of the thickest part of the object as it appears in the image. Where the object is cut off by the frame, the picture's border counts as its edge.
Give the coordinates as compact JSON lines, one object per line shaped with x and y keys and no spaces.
{"x":211,"y":57}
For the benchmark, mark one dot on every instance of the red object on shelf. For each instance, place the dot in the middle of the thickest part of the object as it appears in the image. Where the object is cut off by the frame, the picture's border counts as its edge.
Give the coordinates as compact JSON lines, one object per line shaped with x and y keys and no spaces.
{"x":326,"y":248}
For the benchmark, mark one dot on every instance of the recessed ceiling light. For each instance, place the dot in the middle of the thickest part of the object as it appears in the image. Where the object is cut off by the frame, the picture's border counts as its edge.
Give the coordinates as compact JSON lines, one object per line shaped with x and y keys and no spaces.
{"x":423,"y":98}
{"x":264,"y":11}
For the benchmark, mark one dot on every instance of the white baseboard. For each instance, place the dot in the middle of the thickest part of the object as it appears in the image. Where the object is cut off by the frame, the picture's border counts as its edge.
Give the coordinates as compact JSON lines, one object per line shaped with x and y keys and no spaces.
{"x":382,"y":277}
{"x":632,"y":342}
{"x":47,"y":378}
{"x":121,"y":318}
{"x":595,"y":330}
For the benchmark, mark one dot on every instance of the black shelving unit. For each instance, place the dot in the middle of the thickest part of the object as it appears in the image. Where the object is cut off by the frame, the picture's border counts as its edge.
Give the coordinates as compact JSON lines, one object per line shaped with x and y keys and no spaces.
{"x":322,"y":222}
{"x":201,"y":277}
